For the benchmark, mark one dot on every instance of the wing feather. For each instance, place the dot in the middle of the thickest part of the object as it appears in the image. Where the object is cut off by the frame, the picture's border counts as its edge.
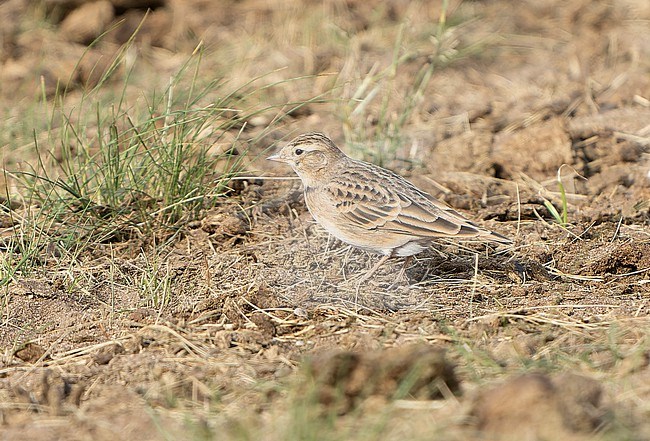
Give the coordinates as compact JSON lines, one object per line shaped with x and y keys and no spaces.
{"x":362,"y":204}
{"x":388,"y":202}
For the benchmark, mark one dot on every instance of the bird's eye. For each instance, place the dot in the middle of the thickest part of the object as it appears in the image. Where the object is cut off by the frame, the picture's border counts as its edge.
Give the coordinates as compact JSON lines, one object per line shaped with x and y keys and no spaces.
{"x":299,"y":152}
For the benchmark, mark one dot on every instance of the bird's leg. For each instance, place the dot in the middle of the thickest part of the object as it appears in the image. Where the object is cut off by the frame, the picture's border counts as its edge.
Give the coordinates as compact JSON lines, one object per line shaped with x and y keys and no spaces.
{"x":367,"y":275}
{"x":374,"y":269}
{"x":402,"y":272}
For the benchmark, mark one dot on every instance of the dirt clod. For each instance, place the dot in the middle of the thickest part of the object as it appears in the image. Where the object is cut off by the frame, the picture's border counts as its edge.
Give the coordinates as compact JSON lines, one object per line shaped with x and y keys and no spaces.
{"x":539,"y":406}
{"x":345,"y":378}
{"x":87,"y":22}
{"x":30,"y":353}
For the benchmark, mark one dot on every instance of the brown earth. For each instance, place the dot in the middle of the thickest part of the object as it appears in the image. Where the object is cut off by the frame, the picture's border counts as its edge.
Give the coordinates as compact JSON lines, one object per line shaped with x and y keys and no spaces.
{"x":547,"y":339}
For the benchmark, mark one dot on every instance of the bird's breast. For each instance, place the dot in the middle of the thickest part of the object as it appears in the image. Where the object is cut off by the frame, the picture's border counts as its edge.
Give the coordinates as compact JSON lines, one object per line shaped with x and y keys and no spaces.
{"x":324,"y":210}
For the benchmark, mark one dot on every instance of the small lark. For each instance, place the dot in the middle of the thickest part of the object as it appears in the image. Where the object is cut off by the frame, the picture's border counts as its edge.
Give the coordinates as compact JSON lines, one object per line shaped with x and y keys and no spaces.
{"x":370,"y":207}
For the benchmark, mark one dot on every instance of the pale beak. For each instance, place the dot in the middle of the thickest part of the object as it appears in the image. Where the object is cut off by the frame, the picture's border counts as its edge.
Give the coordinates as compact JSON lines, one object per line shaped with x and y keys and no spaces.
{"x":276,"y":157}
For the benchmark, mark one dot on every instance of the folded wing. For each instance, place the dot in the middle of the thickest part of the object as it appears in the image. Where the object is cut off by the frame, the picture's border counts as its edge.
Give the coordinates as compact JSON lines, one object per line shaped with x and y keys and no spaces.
{"x":398,"y":207}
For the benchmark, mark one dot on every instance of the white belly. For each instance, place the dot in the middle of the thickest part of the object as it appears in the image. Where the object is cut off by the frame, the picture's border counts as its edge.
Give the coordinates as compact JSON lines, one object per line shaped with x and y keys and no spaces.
{"x":409,"y":249}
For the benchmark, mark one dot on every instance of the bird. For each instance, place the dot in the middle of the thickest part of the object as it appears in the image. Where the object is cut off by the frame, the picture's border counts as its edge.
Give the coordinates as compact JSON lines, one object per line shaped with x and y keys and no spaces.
{"x":370,"y":207}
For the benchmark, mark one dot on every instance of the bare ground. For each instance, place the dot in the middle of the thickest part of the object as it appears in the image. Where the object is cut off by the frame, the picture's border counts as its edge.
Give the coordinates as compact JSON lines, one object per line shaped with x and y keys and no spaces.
{"x":263,"y":335}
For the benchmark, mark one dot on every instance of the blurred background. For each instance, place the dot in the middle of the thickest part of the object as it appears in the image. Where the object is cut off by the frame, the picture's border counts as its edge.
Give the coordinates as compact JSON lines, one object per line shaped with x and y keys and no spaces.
{"x":390,"y":79}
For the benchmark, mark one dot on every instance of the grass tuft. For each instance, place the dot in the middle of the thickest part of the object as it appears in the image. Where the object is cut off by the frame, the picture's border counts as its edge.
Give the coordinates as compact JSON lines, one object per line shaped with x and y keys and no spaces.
{"x":561,"y":217}
{"x":376,"y":131}
{"x":109,"y":170}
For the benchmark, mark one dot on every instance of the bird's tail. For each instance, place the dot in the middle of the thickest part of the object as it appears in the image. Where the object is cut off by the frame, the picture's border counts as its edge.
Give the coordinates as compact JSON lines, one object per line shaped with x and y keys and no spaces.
{"x":495,"y":237}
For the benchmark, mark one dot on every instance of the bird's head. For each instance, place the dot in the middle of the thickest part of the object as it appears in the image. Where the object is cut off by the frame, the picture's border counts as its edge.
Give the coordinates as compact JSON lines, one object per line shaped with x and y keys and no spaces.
{"x":309,"y":154}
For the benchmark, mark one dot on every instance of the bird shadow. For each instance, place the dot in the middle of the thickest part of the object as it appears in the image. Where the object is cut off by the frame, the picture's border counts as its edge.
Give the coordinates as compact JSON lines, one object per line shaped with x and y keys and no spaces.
{"x":390,"y":293}
{"x":439,"y":266}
